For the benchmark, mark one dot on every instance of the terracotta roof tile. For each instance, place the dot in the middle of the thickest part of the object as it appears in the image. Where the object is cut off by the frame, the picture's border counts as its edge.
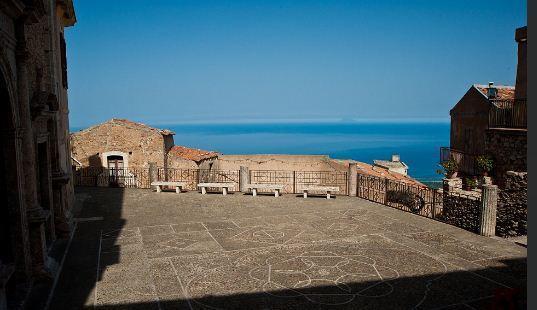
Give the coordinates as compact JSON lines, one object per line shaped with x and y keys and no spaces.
{"x":126,"y":122}
{"x":196,"y":155}
{"x":385,"y":173}
{"x":504,"y":92}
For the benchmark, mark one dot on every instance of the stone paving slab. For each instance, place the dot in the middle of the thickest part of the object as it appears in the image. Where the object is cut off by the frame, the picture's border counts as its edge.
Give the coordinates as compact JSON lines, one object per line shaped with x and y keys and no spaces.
{"x":188,"y":251}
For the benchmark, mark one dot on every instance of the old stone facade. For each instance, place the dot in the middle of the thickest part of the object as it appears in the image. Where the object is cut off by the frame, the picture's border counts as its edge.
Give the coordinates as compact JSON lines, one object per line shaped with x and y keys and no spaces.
{"x":37,"y":193}
{"x":508,"y":149}
{"x":512,"y":216}
{"x":135,"y":144}
{"x":124,"y":144}
{"x":492,"y":120}
{"x":470,"y":118}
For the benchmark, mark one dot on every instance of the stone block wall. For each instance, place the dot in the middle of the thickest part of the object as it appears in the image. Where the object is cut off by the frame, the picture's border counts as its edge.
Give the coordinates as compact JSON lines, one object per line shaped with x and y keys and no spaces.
{"x":508,"y":149}
{"x":461,"y":211}
{"x":274,"y":162}
{"x":141,"y":145}
{"x":512,"y":214}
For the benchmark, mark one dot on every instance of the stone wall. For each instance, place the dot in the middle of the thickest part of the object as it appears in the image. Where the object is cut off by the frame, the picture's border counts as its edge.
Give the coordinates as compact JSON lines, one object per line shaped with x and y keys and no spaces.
{"x":508,"y":149}
{"x":461,"y":211}
{"x":181,"y":163}
{"x":274,"y":162}
{"x":140,"y":145}
{"x":512,"y":214}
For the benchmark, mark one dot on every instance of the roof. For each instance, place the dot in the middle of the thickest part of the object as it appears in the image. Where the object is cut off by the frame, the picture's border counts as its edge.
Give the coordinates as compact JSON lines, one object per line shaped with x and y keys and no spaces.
{"x":504,"y":92}
{"x":196,"y":155}
{"x":389,"y":163}
{"x":130,"y":124}
{"x":380,"y":172}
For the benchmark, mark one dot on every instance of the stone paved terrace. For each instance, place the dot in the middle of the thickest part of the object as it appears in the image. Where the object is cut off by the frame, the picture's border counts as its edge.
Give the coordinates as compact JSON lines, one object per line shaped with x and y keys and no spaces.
{"x":137,"y":249}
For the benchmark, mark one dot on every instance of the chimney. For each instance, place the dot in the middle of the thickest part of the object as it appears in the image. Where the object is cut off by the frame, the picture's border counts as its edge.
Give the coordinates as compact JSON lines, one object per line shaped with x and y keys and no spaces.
{"x":396,"y":158}
{"x":492,"y":91}
{"x":521,"y":37}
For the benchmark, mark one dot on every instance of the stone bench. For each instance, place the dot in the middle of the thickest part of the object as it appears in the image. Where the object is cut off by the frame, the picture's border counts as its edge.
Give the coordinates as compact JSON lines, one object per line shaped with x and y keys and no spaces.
{"x":224,"y":186}
{"x":277,"y":188}
{"x":319,"y":188}
{"x":178,"y":185}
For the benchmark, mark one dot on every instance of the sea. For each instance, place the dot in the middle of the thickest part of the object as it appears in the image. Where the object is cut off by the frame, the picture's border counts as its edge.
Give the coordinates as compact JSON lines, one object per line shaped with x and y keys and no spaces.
{"x":417,"y":143}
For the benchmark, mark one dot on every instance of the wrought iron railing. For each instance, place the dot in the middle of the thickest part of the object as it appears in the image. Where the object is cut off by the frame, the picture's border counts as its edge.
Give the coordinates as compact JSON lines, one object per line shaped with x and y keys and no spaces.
{"x":416,"y":199}
{"x":112,"y":177}
{"x":466,"y":163}
{"x":508,"y":114}
{"x":295,"y":181}
{"x":454,"y":208}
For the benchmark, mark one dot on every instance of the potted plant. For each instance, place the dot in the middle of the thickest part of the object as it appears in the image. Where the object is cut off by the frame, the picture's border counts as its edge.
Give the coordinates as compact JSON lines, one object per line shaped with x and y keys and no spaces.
{"x":484,"y":164}
{"x":449,"y":168}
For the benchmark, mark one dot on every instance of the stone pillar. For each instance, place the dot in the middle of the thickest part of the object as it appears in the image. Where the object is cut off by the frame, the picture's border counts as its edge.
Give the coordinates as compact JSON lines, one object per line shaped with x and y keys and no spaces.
{"x":489,"y":203}
{"x":36,"y":215}
{"x":244,"y":174}
{"x":61,"y":221}
{"x":352,"y":178}
{"x":153,"y":174}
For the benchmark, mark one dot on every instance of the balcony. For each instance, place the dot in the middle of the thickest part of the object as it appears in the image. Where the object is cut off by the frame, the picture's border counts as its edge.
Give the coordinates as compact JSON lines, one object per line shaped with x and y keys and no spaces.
{"x":508,"y":114}
{"x":466,"y":162}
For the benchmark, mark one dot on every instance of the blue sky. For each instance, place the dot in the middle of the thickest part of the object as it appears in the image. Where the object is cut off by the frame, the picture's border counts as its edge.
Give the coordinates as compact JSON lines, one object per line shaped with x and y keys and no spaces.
{"x":185,"y":61}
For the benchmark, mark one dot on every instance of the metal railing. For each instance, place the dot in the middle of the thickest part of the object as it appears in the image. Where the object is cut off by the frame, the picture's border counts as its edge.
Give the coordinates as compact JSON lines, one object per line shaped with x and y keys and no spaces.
{"x":466,"y":163}
{"x":454,"y":208}
{"x":420,"y":200}
{"x":508,"y":114}
{"x":112,"y":177}
{"x":295,"y":181}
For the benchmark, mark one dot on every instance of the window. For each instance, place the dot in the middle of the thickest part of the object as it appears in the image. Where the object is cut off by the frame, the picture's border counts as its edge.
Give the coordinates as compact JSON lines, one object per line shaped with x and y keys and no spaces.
{"x":63,"y":52}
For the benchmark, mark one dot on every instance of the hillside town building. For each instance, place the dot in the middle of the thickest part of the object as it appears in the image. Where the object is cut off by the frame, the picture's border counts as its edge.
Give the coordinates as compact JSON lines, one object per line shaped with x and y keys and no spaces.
{"x":123,"y":144}
{"x":491,"y":120}
{"x":35,"y":168}
{"x":394,"y":165}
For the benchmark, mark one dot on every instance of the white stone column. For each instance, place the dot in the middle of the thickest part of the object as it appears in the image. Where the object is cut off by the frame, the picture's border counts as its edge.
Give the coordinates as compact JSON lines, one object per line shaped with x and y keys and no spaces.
{"x":153,"y":175}
{"x":489,"y":204}
{"x":244,"y":174}
{"x":352,"y":178}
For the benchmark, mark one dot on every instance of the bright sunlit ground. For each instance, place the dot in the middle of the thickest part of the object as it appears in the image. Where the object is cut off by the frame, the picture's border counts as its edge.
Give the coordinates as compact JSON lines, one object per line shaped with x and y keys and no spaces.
{"x":136,"y":248}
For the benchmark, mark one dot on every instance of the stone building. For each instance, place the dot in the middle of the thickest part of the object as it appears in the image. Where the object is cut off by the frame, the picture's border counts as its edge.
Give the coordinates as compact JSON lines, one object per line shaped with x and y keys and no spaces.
{"x":123,"y":144}
{"x":35,"y":185}
{"x":394,"y":165}
{"x":492,"y":120}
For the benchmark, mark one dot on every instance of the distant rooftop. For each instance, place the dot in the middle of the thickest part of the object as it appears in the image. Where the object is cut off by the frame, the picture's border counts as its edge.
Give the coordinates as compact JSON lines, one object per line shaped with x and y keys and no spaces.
{"x":504,"y":92}
{"x":390,"y":164}
{"x":130,"y":124}
{"x":196,"y":155}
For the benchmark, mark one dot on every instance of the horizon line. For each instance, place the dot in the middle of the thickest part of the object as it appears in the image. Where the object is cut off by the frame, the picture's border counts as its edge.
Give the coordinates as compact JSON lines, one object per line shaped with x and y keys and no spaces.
{"x":422,"y":120}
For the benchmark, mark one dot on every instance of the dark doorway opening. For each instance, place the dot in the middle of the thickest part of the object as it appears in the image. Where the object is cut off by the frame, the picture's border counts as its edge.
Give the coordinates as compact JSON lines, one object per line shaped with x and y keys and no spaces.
{"x":115,"y":165}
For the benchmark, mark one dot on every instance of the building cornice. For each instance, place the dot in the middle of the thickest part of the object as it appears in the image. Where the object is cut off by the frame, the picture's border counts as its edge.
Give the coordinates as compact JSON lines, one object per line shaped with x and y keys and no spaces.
{"x":66,"y":11}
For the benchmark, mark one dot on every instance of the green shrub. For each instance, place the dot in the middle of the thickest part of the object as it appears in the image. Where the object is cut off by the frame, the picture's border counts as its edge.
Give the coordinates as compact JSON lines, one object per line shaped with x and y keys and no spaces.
{"x":448,"y":167}
{"x":471,"y":183}
{"x":484,"y":163}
